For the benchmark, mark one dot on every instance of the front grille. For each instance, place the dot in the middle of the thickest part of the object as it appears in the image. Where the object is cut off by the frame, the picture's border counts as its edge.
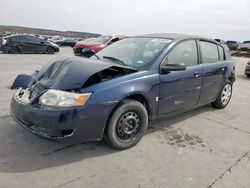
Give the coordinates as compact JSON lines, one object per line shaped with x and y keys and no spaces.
{"x":78,"y":50}
{"x":36,"y":90}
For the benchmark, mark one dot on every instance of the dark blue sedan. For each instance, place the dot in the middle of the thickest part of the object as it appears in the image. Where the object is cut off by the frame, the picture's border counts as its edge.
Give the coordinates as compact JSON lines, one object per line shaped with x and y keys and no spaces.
{"x":114,"y":94}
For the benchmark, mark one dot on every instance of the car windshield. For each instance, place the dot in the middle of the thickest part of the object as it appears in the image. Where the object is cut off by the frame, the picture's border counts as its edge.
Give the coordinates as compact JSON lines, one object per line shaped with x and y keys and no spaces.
{"x":101,"y":39}
{"x":137,"y":53}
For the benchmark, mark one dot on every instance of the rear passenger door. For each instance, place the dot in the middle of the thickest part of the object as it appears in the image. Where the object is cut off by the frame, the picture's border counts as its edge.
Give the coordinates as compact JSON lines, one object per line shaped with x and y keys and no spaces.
{"x":213,"y":61}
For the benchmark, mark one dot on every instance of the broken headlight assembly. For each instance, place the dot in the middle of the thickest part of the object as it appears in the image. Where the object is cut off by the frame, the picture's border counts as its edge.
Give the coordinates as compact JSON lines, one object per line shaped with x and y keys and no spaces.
{"x":57,"y":98}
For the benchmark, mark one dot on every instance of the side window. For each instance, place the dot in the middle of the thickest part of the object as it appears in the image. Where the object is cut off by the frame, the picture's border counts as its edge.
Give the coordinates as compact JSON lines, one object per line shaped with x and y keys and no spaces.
{"x":184,"y":53}
{"x":9,"y":41}
{"x":221,"y":53}
{"x":33,"y":40}
{"x":21,"y":39}
{"x":209,"y":52}
{"x":17,"y":38}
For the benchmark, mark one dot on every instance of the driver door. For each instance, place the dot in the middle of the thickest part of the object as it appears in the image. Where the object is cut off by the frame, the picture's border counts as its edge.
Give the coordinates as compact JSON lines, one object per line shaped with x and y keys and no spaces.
{"x":181,"y":89}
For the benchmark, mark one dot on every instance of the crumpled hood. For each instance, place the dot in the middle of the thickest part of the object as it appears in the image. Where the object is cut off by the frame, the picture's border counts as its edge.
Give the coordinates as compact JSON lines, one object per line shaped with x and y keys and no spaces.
{"x":70,"y":73}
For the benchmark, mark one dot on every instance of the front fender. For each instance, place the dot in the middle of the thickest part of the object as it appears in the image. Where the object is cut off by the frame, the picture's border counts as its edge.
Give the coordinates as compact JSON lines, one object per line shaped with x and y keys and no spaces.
{"x":115,"y":90}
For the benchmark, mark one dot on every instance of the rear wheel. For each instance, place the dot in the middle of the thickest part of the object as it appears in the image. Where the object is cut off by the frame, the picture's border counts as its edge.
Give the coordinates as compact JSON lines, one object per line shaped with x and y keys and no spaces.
{"x":13,"y":51}
{"x":50,"y":50}
{"x":224,"y":96}
{"x":127,"y":125}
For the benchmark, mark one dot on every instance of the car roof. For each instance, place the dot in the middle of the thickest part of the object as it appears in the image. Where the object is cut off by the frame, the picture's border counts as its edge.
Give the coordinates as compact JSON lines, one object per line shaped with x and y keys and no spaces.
{"x":17,"y":35}
{"x":172,"y":36}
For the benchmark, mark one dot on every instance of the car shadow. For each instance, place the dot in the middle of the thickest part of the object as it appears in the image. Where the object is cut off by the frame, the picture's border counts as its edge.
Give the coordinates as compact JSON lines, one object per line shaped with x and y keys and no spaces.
{"x":21,"y":151}
{"x":166,"y":122}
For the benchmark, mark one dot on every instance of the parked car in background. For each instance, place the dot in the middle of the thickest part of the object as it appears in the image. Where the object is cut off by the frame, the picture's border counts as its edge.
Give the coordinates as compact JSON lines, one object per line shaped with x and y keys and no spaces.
{"x":67,"y":42}
{"x":232,"y":45}
{"x":114,"y":94}
{"x":245,"y":46}
{"x":88,"y":48}
{"x":247,"y":70}
{"x":56,"y":39}
{"x":27,"y":44}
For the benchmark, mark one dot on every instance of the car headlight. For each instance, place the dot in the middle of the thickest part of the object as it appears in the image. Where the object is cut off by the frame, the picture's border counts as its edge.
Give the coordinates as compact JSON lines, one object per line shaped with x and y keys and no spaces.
{"x":57,"y":98}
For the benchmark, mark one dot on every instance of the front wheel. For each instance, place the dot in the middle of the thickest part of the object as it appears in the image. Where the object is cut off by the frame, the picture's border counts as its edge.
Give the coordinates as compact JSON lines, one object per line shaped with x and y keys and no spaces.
{"x":224,"y":96}
{"x":50,"y":50}
{"x":127,"y":125}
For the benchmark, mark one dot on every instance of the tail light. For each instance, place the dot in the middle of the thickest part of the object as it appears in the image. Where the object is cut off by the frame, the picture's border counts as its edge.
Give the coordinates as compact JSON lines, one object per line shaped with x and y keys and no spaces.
{"x":4,"y":42}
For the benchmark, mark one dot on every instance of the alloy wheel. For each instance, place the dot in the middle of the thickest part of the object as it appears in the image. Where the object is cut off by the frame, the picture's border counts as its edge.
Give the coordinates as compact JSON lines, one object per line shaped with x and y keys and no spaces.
{"x":226,"y":94}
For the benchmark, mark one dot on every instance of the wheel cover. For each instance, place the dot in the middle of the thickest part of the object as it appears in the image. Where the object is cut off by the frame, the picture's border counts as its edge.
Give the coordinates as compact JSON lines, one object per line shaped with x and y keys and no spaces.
{"x":128,"y":125}
{"x":226,"y":94}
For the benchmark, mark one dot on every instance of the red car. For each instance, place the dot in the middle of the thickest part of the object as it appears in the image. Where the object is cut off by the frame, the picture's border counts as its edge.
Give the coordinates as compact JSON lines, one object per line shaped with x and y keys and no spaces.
{"x":87,"y":49}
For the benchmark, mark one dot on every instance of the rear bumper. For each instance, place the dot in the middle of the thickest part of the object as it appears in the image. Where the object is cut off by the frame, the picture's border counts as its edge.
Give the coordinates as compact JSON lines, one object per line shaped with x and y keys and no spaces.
{"x":5,"y":49}
{"x":79,"y":124}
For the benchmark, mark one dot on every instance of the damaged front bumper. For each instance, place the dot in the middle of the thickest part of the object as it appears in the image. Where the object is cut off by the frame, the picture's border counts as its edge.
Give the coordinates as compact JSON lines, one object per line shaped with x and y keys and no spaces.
{"x":77,"y":51}
{"x":76,"y":124}
{"x":86,"y":52}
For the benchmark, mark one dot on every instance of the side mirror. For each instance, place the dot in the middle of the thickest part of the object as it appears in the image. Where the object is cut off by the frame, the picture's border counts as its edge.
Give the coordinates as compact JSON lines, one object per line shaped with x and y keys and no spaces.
{"x":110,"y":42}
{"x":172,"y":67}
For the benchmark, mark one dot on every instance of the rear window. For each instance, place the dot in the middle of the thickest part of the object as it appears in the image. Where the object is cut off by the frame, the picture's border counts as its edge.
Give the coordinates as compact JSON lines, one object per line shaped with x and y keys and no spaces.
{"x":23,"y":38}
{"x":209,"y":52}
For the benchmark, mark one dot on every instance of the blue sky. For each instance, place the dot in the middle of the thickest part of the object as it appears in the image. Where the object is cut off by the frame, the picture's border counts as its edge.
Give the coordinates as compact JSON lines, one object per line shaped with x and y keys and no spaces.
{"x":211,"y":18}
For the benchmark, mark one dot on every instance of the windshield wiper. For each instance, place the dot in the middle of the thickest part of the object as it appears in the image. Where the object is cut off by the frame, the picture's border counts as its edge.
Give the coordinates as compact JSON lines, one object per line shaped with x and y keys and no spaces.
{"x":115,"y":60}
{"x":96,"y":56}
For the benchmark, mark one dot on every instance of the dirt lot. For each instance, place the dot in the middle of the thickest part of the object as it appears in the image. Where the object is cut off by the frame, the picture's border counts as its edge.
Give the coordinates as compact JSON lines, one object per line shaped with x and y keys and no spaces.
{"x":201,"y":148}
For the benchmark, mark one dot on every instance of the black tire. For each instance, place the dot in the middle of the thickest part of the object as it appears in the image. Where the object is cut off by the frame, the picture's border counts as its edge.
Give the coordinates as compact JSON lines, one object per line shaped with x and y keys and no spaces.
{"x":13,"y":51}
{"x":248,"y":75}
{"x":50,"y":50}
{"x":127,"y":125}
{"x":221,"y":102}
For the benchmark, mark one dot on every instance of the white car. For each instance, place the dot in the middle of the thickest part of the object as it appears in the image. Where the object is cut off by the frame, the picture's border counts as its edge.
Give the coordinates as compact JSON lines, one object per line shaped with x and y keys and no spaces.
{"x":245,"y":46}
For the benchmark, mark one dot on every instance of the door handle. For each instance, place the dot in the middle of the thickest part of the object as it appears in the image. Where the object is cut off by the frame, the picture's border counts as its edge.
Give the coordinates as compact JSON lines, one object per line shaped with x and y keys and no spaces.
{"x":196,"y":74}
{"x":222,"y":68}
